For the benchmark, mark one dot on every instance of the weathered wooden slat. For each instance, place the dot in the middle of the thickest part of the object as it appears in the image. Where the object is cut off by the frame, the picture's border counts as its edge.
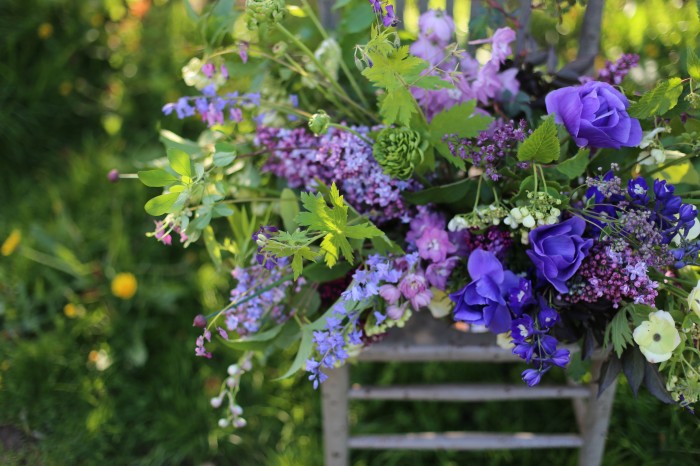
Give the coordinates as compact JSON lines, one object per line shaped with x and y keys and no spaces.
{"x":475,"y":392}
{"x":404,"y":353}
{"x":334,"y":400}
{"x":464,"y":441}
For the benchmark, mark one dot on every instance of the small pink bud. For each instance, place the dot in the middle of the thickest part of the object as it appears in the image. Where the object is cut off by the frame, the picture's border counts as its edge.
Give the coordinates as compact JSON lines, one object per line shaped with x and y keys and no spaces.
{"x":200,"y":321}
{"x":113,"y":175}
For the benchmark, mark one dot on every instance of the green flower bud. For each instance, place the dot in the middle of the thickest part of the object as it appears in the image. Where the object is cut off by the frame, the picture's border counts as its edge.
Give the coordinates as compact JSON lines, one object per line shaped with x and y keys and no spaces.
{"x":262,"y":12}
{"x":318,"y":123}
{"x":399,"y":151}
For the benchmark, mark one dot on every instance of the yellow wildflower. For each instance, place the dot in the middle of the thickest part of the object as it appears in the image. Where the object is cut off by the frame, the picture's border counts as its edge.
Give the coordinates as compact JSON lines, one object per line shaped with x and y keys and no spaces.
{"x":124,"y":285}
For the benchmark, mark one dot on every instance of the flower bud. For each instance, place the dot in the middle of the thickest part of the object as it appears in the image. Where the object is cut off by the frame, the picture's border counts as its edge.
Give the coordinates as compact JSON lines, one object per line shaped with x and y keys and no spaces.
{"x":318,"y":123}
{"x":231,"y":382}
{"x":529,"y":221}
{"x":216,"y":402}
{"x":236,"y":410}
{"x":223,"y":423}
{"x":240,"y":423}
{"x":113,"y":175}
{"x":694,"y":299}
{"x":233,"y":369}
{"x":246,"y":365}
{"x":199,"y":321}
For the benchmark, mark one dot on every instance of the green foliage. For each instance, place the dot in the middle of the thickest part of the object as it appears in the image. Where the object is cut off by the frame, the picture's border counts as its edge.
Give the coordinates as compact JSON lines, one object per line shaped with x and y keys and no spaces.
{"x":619,"y":332}
{"x":396,"y":71}
{"x":693,"y":64}
{"x":575,"y":166}
{"x":542,"y":145}
{"x":659,"y":100}
{"x":459,"y":120}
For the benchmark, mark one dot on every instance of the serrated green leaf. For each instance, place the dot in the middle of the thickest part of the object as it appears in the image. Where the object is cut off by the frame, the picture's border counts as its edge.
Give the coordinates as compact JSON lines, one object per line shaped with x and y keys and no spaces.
{"x":576,"y":165}
{"x":692,"y":63}
{"x":180,"y":162}
{"x":659,"y":100}
{"x":432,"y":83}
{"x":542,"y":145}
{"x":461,"y":121}
{"x":157,"y":178}
{"x":618,"y":332}
{"x":289,"y":209}
{"x":162,"y":204}
{"x":397,"y":106}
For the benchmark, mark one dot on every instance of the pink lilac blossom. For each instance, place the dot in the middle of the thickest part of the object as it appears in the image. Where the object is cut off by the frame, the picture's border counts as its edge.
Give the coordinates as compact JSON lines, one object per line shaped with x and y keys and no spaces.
{"x":163,"y":231}
{"x":471,"y":80}
{"x":434,"y":244}
{"x":612,"y":276}
{"x":336,"y":157}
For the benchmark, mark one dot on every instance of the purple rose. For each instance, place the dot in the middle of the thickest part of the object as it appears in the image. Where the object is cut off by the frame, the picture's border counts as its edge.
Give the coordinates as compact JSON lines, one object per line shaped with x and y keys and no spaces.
{"x":595,"y":114}
{"x":483,"y":301}
{"x":557,"y":250}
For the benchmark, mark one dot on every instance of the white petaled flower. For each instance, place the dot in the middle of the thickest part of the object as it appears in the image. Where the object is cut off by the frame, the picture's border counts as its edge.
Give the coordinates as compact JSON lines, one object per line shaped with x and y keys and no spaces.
{"x":694,"y":299}
{"x":693,"y":233}
{"x":657,"y":337}
{"x":457,"y":223}
{"x":649,"y":136}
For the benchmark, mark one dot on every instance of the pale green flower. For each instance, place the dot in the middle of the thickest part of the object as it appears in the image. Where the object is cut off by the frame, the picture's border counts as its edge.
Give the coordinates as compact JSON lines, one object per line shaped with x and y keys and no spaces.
{"x":657,"y":337}
{"x":694,"y":299}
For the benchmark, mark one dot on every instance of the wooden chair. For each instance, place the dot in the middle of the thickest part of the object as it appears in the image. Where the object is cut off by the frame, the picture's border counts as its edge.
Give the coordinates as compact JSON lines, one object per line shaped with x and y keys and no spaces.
{"x":426,"y":339}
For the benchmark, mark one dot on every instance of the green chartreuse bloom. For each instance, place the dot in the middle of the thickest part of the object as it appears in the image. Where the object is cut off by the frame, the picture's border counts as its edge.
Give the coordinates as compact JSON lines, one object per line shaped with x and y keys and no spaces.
{"x":399,"y":151}
{"x":318,"y":123}
{"x":262,"y":12}
{"x":657,"y":337}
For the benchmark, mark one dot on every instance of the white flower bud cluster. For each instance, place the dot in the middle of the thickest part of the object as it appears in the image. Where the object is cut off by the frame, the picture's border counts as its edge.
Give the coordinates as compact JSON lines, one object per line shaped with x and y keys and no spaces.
{"x":482,"y":217}
{"x":229,"y":390}
{"x":530,"y":218}
{"x":654,"y":152}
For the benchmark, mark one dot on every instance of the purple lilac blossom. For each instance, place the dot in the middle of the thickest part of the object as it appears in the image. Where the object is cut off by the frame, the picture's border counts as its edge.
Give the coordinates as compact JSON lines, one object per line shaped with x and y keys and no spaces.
{"x":212,"y":108}
{"x":336,"y":157}
{"x":614,"y":72}
{"x":558,"y":250}
{"x":434,"y":244}
{"x":483,"y":301}
{"x":595,"y":114}
{"x":491,"y":147}
{"x":472,"y":81}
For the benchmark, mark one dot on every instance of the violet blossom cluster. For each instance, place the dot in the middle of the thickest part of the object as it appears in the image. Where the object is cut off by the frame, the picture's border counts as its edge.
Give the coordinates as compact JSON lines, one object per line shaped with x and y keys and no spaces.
{"x":164,"y":230}
{"x":393,"y":280}
{"x":491,"y":147}
{"x":472,"y":80}
{"x":385,"y":11}
{"x":336,"y":157}
{"x":615,"y":72}
{"x":607,"y":275}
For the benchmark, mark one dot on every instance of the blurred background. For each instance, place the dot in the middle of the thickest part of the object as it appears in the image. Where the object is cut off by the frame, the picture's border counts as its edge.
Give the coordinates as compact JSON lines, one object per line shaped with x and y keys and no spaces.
{"x":97,"y":358}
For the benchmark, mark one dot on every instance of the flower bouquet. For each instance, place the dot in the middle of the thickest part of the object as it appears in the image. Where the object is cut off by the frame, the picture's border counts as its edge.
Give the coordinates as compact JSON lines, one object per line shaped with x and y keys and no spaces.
{"x":347,"y":187}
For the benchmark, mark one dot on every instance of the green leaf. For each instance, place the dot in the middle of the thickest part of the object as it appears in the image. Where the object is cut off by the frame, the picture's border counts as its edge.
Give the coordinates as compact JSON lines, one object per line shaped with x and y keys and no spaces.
{"x":289,"y":209}
{"x":172,"y":141}
{"x":223,"y":159}
{"x":190,"y":10}
{"x":442,"y":194}
{"x":656,"y":384}
{"x":157,"y":178}
{"x":162,"y":204}
{"x":432,"y":83}
{"x":618,"y":332}
{"x":180,"y":162}
{"x":303,"y":352}
{"x":212,"y":246}
{"x":321,"y":273}
{"x":459,"y":120}
{"x":397,"y":106}
{"x":633,"y":364}
{"x":576,"y":165}
{"x":609,"y":372}
{"x":334,"y":223}
{"x":221,"y":210}
{"x":692,"y":63}
{"x":542,"y":145}
{"x":659,"y":100}
{"x":256,"y":342}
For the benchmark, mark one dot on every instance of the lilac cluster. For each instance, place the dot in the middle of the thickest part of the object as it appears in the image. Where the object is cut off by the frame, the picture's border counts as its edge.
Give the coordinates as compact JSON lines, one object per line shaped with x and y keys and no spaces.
{"x":491,"y":147}
{"x":614,"y":276}
{"x":385,"y":12}
{"x":260,"y":237}
{"x":614,"y":72}
{"x":343,"y":327}
{"x":472,"y":81}
{"x":493,"y":239}
{"x":530,"y":335}
{"x":336,"y":157}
